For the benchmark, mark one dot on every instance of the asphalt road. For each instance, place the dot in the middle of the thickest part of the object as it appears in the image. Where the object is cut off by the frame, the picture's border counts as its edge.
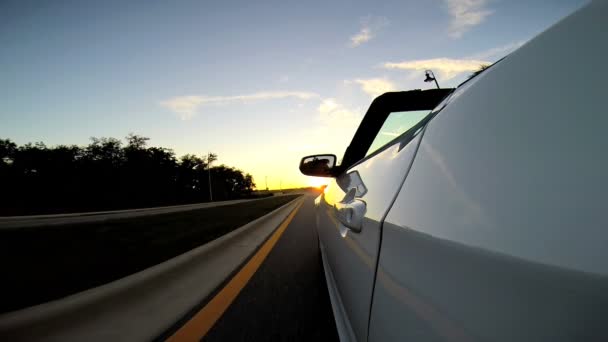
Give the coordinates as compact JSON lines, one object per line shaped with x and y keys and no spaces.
{"x":287,"y":298}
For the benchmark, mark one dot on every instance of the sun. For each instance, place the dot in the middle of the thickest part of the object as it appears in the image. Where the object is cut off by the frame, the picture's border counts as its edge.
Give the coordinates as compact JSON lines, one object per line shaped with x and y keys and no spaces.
{"x":318,"y":182}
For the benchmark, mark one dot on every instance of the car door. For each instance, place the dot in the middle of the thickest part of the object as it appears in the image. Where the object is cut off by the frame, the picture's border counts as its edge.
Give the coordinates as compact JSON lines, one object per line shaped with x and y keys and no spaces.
{"x":352,"y":207}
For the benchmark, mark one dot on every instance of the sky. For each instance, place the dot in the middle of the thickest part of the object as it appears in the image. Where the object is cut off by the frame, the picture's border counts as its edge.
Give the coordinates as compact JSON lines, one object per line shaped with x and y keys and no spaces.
{"x":259,"y":83}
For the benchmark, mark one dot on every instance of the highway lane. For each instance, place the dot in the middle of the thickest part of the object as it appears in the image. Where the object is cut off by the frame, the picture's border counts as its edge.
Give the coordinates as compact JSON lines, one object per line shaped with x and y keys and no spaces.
{"x":287,"y":298}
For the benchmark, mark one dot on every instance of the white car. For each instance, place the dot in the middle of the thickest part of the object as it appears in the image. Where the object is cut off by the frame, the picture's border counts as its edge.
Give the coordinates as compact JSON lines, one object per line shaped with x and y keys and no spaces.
{"x":480,"y":213}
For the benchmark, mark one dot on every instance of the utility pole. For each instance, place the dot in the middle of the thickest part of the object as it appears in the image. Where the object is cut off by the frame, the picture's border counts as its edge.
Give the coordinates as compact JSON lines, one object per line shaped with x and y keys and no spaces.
{"x":209,"y":174}
{"x":266,"y":177}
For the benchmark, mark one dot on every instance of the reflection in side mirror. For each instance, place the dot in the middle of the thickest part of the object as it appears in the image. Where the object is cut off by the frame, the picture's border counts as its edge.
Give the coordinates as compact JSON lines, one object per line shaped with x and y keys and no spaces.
{"x":320,"y":165}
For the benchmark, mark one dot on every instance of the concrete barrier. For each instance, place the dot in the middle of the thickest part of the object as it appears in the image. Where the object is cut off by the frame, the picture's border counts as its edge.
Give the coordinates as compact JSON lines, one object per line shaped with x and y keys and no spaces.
{"x":145,"y":304}
{"x":13,"y":222}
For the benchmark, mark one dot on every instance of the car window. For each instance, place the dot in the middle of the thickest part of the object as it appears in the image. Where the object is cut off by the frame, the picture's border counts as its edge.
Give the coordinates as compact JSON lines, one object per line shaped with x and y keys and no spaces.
{"x":396,"y":124}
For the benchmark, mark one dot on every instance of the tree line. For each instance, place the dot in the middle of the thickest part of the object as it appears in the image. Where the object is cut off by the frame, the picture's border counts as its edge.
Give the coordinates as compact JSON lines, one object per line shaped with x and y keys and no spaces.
{"x":107,"y":174}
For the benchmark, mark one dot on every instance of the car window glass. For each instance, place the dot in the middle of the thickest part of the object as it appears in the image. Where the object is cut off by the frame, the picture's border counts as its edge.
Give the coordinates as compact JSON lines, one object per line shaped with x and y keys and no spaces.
{"x":396,"y":124}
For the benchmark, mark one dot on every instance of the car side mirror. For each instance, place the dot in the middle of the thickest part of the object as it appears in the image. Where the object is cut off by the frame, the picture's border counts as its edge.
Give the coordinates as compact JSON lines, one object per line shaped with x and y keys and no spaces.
{"x":319,"y":165}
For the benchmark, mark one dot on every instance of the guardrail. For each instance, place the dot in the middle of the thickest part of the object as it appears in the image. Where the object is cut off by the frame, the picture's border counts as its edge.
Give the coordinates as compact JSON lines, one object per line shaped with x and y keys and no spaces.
{"x":145,"y":304}
{"x":97,"y":216}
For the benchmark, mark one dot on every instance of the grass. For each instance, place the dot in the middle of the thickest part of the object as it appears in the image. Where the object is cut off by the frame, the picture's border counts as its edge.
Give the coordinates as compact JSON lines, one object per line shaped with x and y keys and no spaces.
{"x":39,"y":264}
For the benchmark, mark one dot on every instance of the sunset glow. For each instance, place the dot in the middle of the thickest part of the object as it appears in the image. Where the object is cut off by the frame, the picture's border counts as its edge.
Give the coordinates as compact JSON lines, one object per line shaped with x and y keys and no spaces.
{"x":261,"y":94}
{"x":318,"y":182}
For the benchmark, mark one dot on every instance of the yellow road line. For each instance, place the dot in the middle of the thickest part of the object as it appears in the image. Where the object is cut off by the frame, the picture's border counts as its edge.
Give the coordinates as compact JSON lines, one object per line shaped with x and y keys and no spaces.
{"x":198,"y":326}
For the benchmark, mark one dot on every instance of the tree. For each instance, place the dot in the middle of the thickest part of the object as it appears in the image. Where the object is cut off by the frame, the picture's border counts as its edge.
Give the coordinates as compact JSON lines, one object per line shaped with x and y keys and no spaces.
{"x":136,"y":142}
{"x":106,"y":174}
{"x":191,"y":177}
{"x":481,"y":69}
{"x":7,"y":151}
{"x":211,"y":157}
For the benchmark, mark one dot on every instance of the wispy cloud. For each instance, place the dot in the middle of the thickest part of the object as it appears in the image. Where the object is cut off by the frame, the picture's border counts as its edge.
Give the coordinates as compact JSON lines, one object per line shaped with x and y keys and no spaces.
{"x":446,"y":68}
{"x":498,"y":52}
{"x":375,"y":86}
{"x":332,"y":113}
{"x":332,"y":130}
{"x":183,"y":106}
{"x":370,"y":26}
{"x":186,"y":107}
{"x":465,"y":14}
{"x":362,"y":37}
{"x":390,"y":134}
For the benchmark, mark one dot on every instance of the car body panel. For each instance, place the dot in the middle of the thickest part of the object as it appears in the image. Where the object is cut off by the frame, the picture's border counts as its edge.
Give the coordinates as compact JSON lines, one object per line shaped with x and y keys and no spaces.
{"x":345,"y":330}
{"x":351,"y":256}
{"x":499,"y":232}
{"x":430,"y":289}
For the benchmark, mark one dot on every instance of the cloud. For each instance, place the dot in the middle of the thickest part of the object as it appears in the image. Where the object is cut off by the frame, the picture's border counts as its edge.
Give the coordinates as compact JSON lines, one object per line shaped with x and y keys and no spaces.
{"x":370,"y":26}
{"x":332,"y":113}
{"x":183,"y":106}
{"x":186,"y":107}
{"x":498,"y":52}
{"x":376,"y":86}
{"x":390,"y":134}
{"x":446,"y":68}
{"x":362,"y":37}
{"x":465,"y":14}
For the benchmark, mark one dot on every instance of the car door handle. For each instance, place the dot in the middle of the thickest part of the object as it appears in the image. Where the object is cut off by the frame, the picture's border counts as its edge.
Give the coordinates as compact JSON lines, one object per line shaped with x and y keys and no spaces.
{"x":351,"y":211}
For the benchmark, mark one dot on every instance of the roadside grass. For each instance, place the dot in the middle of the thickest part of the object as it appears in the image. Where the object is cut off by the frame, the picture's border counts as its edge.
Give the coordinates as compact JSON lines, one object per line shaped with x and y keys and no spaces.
{"x":40,"y":264}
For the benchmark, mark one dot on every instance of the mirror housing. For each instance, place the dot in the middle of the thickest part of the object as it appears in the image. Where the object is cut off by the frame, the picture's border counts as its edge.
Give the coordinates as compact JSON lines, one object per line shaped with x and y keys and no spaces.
{"x":318,"y":165}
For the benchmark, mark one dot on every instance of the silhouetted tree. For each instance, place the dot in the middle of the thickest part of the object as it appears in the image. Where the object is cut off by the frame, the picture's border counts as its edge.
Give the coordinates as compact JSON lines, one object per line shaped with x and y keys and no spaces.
{"x":481,"y":69}
{"x":7,"y":151}
{"x":230,"y":183}
{"x":108,"y":175}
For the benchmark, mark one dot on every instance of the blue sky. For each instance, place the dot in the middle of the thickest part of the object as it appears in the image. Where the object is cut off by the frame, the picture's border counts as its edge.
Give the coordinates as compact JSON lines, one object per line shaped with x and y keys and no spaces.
{"x":259,"y":83}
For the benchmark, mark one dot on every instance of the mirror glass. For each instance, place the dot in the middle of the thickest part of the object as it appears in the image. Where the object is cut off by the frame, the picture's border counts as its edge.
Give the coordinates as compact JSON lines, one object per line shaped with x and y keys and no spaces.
{"x":318,"y":165}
